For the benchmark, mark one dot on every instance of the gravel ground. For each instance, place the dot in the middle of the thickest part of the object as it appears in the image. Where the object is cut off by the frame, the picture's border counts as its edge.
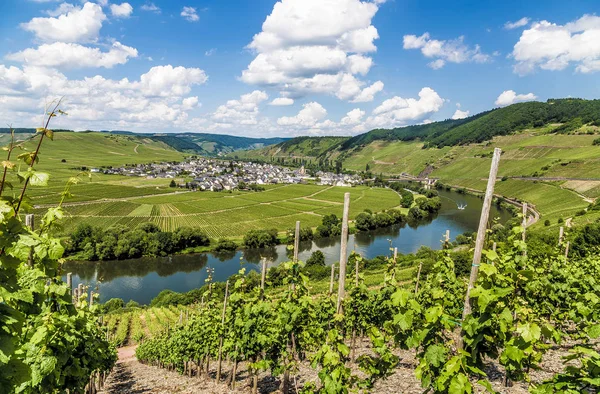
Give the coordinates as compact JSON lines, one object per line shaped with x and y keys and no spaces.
{"x":131,"y":376}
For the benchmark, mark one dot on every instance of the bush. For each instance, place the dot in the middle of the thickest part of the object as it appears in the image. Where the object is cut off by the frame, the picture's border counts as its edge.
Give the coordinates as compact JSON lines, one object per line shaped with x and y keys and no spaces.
{"x":132,"y":304}
{"x":581,"y":213}
{"x":317,"y":258}
{"x":561,"y":220}
{"x":225,"y":245}
{"x":260,"y":238}
{"x":547,"y":222}
{"x":114,"y":304}
{"x":596,"y":141}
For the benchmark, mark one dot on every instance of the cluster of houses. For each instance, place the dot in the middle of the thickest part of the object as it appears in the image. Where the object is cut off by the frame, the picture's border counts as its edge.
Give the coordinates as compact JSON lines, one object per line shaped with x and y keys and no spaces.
{"x":218,"y":175}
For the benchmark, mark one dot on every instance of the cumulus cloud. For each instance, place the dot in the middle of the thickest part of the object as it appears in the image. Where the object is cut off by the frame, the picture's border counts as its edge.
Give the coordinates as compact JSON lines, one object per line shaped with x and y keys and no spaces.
{"x":514,"y":25}
{"x":190,"y":14}
{"x":63,"y":8}
{"x":123,"y":10}
{"x":368,"y":93}
{"x":310,"y":114}
{"x":509,"y":97}
{"x":443,"y":51}
{"x":189,"y":102}
{"x":154,"y":100}
{"x":151,"y":7}
{"x":315,"y":46}
{"x":353,"y":117}
{"x":77,"y":25}
{"x":550,"y":46}
{"x":399,"y":111}
{"x":282,"y":101}
{"x":240,"y":112}
{"x":458,"y":114}
{"x":69,"y":55}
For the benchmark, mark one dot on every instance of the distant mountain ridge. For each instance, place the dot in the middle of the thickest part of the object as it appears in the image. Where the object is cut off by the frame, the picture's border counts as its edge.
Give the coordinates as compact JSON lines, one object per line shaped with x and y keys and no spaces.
{"x":198,"y":143}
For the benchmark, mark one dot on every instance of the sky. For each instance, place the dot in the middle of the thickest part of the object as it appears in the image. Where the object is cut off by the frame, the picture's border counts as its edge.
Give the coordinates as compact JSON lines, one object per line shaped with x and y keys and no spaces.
{"x":265,"y":68}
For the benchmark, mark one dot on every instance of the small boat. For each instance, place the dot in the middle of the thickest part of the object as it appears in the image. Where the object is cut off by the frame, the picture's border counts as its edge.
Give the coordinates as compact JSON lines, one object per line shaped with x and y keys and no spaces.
{"x":461,"y":207}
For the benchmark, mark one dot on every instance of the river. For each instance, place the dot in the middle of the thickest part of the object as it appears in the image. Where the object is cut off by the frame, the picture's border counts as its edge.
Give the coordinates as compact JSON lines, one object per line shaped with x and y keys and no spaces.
{"x":142,"y":279}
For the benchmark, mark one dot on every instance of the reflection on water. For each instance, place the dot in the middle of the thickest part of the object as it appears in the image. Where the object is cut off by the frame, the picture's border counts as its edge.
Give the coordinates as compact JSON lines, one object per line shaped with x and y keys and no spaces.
{"x":142,"y":279}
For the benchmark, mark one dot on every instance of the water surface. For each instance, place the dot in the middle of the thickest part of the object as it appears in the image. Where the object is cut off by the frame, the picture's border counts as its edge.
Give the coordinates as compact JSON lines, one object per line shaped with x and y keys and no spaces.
{"x":142,"y":279}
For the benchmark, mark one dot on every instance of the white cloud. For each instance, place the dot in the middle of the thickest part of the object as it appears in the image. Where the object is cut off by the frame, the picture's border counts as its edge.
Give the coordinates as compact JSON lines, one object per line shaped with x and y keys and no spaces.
{"x":123,"y":10}
{"x":399,"y":111}
{"x":282,"y":101}
{"x":458,"y":114}
{"x":63,"y":8}
{"x":443,"y":51}
{"x":509,"y":97}
{"x":314,"y":46}
{"x":353,"y":117}
{"x":210,"y":52}
{"x":151,"y":7}
{"x":153,"y":101}
{"x":514,"y":25}
{"x":368,"y":93}
{"x":190,"y":102}
{"x":554,"y":47}
{"x":190,"y":14}
{"x":68,"y":55}
{"x":77,"y":25}
{"x":240,"y":112}
{"x":310,"y":114}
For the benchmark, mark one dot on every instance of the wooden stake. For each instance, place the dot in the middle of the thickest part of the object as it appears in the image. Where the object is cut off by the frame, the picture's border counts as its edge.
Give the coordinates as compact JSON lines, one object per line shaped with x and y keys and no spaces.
{"x":561,"y":235}
{"x":483,"y":221}
{"x":524,"y":226}
{"x":343,"y":254}
{"x":332,"y":278}
{"x":220,"y":358}
{"x":297,"y":242}
{"x":447,"y":237}
{"x":567,"y":250}
{"x":395,"y":254}
{"x":91,"y":298}
{"x":418,"y":277}
{"x":263,"y":274}
{"x":70,"y":282}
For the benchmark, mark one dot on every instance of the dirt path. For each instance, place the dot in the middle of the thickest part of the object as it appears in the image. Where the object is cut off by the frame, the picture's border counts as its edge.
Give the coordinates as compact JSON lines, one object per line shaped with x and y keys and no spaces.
{"x":135,"y":149}
{"x":131,"y":376}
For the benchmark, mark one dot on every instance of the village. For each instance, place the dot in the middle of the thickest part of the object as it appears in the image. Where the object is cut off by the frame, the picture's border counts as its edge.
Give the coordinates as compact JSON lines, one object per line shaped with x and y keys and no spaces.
{"x":219,"y":175}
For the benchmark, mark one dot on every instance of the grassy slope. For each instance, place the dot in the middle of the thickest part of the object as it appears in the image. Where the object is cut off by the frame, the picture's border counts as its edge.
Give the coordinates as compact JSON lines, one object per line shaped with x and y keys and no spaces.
{"x":94,"y":150}
{"x":301,"y":147}
{"x":231,"y":215}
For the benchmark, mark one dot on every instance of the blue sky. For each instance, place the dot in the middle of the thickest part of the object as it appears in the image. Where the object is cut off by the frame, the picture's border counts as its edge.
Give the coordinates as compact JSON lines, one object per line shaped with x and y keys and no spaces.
{"x":333,"y":67}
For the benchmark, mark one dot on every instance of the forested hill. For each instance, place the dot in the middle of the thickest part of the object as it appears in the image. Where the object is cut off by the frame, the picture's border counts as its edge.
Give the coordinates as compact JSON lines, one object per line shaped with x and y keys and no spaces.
{"x":571,"y":113}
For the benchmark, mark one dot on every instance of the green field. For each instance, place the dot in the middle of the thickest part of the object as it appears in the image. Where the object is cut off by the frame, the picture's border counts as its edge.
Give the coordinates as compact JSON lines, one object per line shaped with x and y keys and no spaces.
{"x":229,"y":214}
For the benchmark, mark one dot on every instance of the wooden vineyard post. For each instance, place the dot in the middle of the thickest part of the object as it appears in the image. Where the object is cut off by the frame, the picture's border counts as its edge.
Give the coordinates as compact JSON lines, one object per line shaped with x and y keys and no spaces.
{"x":354,"y":329}
{"x":297,"y":241}
{"x":395,"y":255}
{"x":75,"y":296}
{"x":220,"y":358}
{"x":483,"y":221}
{"x":567,"y":250}
{"x":332,"y":278}
{"x":524,"y":226}
{"x":263,"y":276}
{"x":561,"y":235}
{"x":418,"y":277}
{"x":30,"y":222}
{"x":80,"y":292}
{"x":343,"y":254}
{"x":91,"y":298}
{"x":447,"y":239}
{"x":70,"y":284}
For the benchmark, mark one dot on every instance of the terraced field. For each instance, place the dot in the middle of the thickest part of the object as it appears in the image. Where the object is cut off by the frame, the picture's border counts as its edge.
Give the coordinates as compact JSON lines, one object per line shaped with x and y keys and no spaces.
{"x":231,"y":215}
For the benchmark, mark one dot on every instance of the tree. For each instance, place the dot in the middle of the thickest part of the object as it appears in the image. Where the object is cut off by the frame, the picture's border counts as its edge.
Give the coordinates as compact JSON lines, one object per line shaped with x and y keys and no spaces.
{"x":364,"y":221}
{"x":172,"y":184}
{"x":260,"y":238}
{"x":316,"y":259}
{"x":407,"y":199}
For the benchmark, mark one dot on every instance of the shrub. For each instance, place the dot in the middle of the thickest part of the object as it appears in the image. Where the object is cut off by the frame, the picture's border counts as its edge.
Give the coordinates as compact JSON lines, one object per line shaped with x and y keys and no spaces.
{"x":547,"y":222}
{"x":113,"y":304}
{"x":260,"y":238}
{"x":317,"y":258}
{"x":225,"y":245}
